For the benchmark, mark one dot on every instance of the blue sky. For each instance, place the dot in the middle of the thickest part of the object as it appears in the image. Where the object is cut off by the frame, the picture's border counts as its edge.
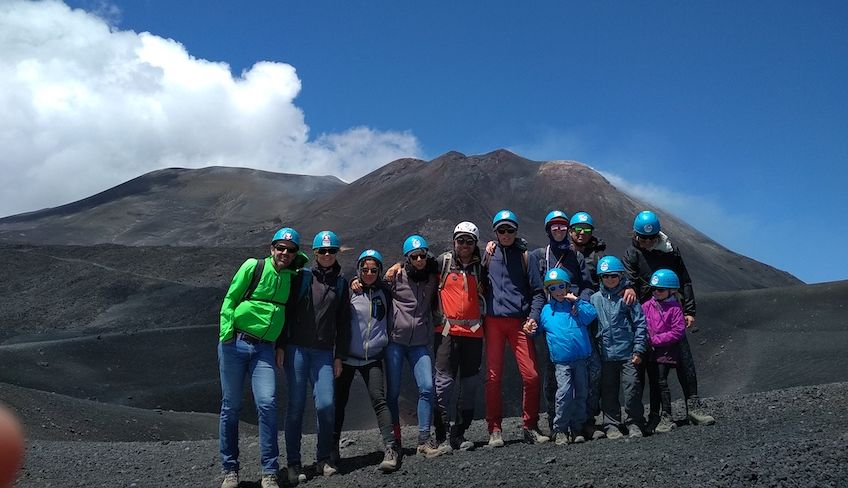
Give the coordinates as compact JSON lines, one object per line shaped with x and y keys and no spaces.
{"x":732,"y":115}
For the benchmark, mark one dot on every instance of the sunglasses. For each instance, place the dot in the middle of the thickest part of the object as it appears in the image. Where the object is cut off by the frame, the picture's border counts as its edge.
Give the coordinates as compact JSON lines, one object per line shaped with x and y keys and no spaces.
{"x":464,"y":241}
{"x":582,"y":230}
{"x":325,"y":250}
{"x":553,"y":288}
{"x":609,"y":276}
{"x":647,"y":238}
{"x":372,"y":271}
{"x":559,"y":228}
{"x":506,"y":230}
{"x":286,"y":249}
{"x":417,"y":256}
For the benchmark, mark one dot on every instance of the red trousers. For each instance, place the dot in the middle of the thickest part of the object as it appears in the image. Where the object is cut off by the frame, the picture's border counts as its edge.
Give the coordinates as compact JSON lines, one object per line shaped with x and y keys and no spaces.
{"x":499,"y":330}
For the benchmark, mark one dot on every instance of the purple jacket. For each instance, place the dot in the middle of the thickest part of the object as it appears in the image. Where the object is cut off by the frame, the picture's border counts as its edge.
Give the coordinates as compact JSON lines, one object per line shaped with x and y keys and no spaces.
{"x":666,"y":328}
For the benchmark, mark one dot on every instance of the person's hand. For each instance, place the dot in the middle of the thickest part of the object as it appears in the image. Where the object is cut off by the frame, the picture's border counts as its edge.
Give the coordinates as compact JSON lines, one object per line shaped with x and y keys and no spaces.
{"x":690,"y":321}
{"x":391,"y":272}
{"x":355,"y":285}
{"x":637,"y":359}
{"x":280,"y":356}
{"x":490,"y":248}
{"x":337,"y":368}
{"x":629,"y":296}
{"x":530,"y":326}
{"x":571,"y":297}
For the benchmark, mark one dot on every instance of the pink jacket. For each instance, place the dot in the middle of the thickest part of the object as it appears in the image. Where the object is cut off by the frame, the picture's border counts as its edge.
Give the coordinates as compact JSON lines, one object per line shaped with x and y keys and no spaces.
{"x":666,"y":325}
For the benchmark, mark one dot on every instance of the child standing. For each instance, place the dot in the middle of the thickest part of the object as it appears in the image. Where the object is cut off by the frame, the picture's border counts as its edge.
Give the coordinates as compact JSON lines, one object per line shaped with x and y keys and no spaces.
{"x":666,"y":328}
{"x":622,"y":339}
{"x":569,"y":348}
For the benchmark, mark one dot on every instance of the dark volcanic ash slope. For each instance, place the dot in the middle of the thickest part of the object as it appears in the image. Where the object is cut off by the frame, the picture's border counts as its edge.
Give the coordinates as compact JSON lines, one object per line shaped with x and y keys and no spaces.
{"x":409,"y":195}
{"x":172,"y":206}
{"x":782,"y":438}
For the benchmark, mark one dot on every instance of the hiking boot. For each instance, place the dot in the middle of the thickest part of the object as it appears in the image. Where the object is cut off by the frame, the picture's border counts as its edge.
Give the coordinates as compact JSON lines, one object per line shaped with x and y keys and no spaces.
{"x":535,"y":436}
{"x":429,"y":449}
{"x":460,"y":443}
{"x":591,"y":433}
{"x":326,"y":468}
{"x":390,"y":460}
{"x":578,"y":438}
{"x":269,"y":481}
{"x":231,"y":479}
{"x":696,"y":413}
{"x":295,"y":474}
{"x":561,"y":439}
{"x":614,"y":432}
{"x":445,"y":447}
{"x":665,"y":424}
{"x":496,"y":439}
{"x":633,"y":431}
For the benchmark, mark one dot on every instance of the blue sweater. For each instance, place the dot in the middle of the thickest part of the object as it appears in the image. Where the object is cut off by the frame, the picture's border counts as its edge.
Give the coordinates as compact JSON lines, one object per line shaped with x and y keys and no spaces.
{"x":622,"y":329}
{"x":510,"y":293}
{"x":568,"y":339}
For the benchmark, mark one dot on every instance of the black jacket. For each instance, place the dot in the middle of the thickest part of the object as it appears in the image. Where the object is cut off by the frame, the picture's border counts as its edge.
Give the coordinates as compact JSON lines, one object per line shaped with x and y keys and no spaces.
{"x":641,"y":264}
{"x":322,"y":316}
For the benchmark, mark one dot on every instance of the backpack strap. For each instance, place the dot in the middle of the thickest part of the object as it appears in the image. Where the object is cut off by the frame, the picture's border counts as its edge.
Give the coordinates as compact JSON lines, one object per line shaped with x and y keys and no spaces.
{"x":254,"y":280}
{"x":305,"y":282}
{"x":446,"y":264}
{"x":524,"y":260}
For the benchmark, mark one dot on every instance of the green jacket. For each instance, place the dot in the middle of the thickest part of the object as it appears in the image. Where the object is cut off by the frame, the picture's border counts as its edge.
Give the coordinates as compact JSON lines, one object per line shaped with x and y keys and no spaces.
{"x":264,"y":315}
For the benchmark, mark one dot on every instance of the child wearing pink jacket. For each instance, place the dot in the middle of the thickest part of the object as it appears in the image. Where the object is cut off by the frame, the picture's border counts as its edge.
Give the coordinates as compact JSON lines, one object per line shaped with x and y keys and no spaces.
{"x":666,"y":328}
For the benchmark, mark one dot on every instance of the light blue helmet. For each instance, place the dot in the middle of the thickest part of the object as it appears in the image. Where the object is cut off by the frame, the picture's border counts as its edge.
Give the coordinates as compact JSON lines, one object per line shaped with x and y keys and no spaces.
{"x":370,"y":254}
{"x":286,"y":234}
{"x":326,"y":239}
{"x":609,"y":265}
{"x":413,"y":243}
{"x":646,"y":223}
{"x":581,"y":218}
{"x":504,"y":217}
{"x":665,"y":278}
{"x":555,"y":215}
{"x":557,"y":275}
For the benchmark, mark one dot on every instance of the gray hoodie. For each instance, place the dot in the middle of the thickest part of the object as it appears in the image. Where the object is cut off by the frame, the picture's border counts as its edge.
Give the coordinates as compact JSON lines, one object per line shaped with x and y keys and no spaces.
{"x":413,"y":303}
{"x":370,"y":313}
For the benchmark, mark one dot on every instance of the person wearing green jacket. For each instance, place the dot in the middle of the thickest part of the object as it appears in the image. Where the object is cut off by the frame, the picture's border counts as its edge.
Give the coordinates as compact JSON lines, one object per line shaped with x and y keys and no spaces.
{"x":253,"y":316}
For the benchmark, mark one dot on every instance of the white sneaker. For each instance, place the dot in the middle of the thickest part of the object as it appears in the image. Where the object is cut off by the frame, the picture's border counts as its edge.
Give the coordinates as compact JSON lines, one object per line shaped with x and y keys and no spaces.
{"x":231,"y":480}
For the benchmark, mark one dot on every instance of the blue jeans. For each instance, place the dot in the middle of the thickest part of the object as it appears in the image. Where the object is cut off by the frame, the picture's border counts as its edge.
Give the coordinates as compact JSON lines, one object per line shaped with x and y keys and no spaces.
{"x":302,"y":365}
{"x":422,"y":370}
{"x":237,"y":360}
{"x":572,"y":389}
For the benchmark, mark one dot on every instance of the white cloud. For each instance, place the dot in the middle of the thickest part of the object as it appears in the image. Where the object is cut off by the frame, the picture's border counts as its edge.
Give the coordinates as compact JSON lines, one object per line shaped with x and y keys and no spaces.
{"x":84,"y":106}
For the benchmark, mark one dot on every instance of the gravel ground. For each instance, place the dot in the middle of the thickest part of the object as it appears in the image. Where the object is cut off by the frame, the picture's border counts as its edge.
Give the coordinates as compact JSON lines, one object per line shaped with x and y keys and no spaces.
{"x":792,"y":437}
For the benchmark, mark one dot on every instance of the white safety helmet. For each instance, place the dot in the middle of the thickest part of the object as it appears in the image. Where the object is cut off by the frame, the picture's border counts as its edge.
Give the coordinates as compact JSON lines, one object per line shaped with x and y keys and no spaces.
{"x":466,"y":228}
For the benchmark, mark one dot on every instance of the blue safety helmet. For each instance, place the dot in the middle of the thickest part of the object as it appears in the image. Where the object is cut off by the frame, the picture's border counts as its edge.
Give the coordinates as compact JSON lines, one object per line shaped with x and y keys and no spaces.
{"x":286,"y":234}
{"x":370,"y":254}
{"x":554,"y":215}
{"x":646,"y":223}
{"x":504,"y":217}
{"x":557,"y":275}
{"x":326,"y":239}
{"x":413,"y":243}
{"x":581,"y":218}
{"x":610,"y":265}
{"x":665,"y":278}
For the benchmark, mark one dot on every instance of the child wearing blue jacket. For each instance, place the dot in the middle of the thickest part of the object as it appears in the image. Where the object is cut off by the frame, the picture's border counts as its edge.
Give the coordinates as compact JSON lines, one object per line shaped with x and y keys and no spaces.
{"x":622,"y":338}
{"x":564,"y":320}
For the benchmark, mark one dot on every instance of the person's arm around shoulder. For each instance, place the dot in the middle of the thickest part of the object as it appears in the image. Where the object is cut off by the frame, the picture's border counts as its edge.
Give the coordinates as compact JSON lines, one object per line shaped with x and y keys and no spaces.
{"x":239,"y":284}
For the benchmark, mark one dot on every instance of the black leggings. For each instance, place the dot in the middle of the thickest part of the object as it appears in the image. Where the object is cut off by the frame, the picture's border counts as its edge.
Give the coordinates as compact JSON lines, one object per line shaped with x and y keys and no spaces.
{"x":372,"y":373}
{"x":660,"y":392}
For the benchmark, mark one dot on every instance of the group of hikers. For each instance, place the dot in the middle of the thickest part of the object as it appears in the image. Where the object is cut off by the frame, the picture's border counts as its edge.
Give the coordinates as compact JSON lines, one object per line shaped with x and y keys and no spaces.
{"x":607,"y":322}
